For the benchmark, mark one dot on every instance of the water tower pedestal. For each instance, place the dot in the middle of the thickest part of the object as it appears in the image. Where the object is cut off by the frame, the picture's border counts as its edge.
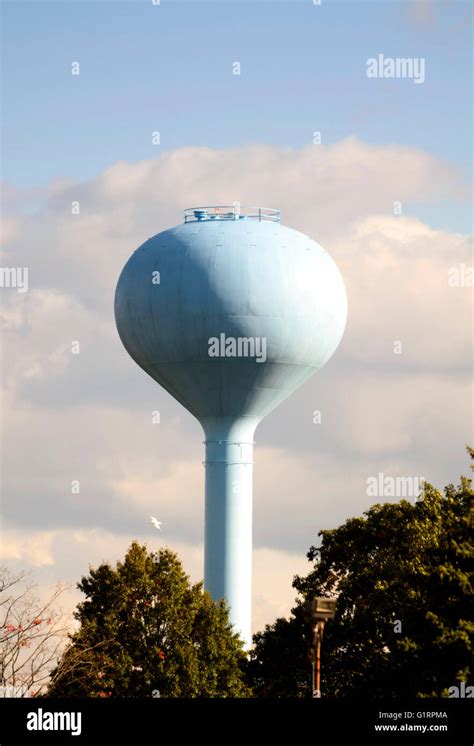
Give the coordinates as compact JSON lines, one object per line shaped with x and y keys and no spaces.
{"x":228,"y":516}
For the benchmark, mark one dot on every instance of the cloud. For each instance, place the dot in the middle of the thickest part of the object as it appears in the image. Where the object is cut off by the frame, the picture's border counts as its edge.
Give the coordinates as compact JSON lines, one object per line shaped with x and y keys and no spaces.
{"x":318,"y":188}
{"x":421,"y":12}
{"x":10,"y":230}
{"x":86,"y":415}
{"x":33,"y":550}
{"x":68,"y":555}
{"x":397,"y":275}
{"x":445,"y":18}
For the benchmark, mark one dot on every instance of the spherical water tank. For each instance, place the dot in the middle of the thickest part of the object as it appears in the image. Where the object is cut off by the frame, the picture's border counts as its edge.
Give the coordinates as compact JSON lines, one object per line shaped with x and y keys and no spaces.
{"x":230,"y":312}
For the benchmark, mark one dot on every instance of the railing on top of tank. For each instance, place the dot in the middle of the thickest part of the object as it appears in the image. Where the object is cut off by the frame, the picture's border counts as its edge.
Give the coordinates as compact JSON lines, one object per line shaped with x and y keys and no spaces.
{"x":231,"y":212}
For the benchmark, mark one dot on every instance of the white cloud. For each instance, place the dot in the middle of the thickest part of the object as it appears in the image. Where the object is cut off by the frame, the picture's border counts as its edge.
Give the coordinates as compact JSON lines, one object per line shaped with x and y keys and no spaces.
{"x":396,"y":270}
{"x":421,"y":12}
{"x":10,"y":229}
{"x":88,"y":416}
{"x":68,"y":555}
{"x":33,"y":549}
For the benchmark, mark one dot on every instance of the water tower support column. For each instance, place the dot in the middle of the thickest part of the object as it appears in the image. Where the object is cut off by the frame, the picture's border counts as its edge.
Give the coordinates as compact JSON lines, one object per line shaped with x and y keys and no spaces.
{"x":228,"y":516}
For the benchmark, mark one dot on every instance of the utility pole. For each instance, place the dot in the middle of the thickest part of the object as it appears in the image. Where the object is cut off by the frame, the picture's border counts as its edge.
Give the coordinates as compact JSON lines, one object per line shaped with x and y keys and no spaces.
{"x":320,"y":611}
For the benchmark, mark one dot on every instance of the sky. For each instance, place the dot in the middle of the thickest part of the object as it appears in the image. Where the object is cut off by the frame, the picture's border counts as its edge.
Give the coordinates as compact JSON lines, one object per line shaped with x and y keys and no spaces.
{"x":88,"y":138}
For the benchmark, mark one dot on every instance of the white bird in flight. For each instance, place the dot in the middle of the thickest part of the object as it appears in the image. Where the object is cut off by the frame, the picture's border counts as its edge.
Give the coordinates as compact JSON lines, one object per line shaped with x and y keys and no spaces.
{"x":157,"y":524}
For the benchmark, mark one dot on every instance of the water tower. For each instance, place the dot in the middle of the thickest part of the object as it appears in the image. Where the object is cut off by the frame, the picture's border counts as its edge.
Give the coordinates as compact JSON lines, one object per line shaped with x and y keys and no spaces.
{"x":230,"y":312}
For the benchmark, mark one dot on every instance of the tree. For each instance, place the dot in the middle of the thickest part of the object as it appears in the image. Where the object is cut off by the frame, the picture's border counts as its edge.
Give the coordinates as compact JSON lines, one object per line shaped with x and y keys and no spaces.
{"x":32,"y":635}
{"x":146,"y":631}
{"x":402,"y":574}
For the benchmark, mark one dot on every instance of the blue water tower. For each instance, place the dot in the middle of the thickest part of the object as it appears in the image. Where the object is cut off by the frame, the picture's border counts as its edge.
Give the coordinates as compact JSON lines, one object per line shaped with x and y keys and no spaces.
{"x":230,"y":312}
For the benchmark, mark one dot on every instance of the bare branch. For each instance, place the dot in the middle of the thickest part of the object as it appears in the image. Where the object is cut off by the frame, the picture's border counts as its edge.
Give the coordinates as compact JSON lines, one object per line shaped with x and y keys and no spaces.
{"x":33,"y":634}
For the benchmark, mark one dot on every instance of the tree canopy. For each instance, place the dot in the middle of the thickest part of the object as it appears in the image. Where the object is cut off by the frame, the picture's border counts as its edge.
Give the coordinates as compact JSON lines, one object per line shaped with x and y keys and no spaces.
{"x":402,"y":574}
{"x":146,"y":631}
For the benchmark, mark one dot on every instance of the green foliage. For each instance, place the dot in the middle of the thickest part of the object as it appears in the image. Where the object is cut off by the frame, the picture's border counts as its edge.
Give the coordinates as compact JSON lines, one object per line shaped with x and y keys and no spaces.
{"x":145,"y":629}
{"x":400,"y":565}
